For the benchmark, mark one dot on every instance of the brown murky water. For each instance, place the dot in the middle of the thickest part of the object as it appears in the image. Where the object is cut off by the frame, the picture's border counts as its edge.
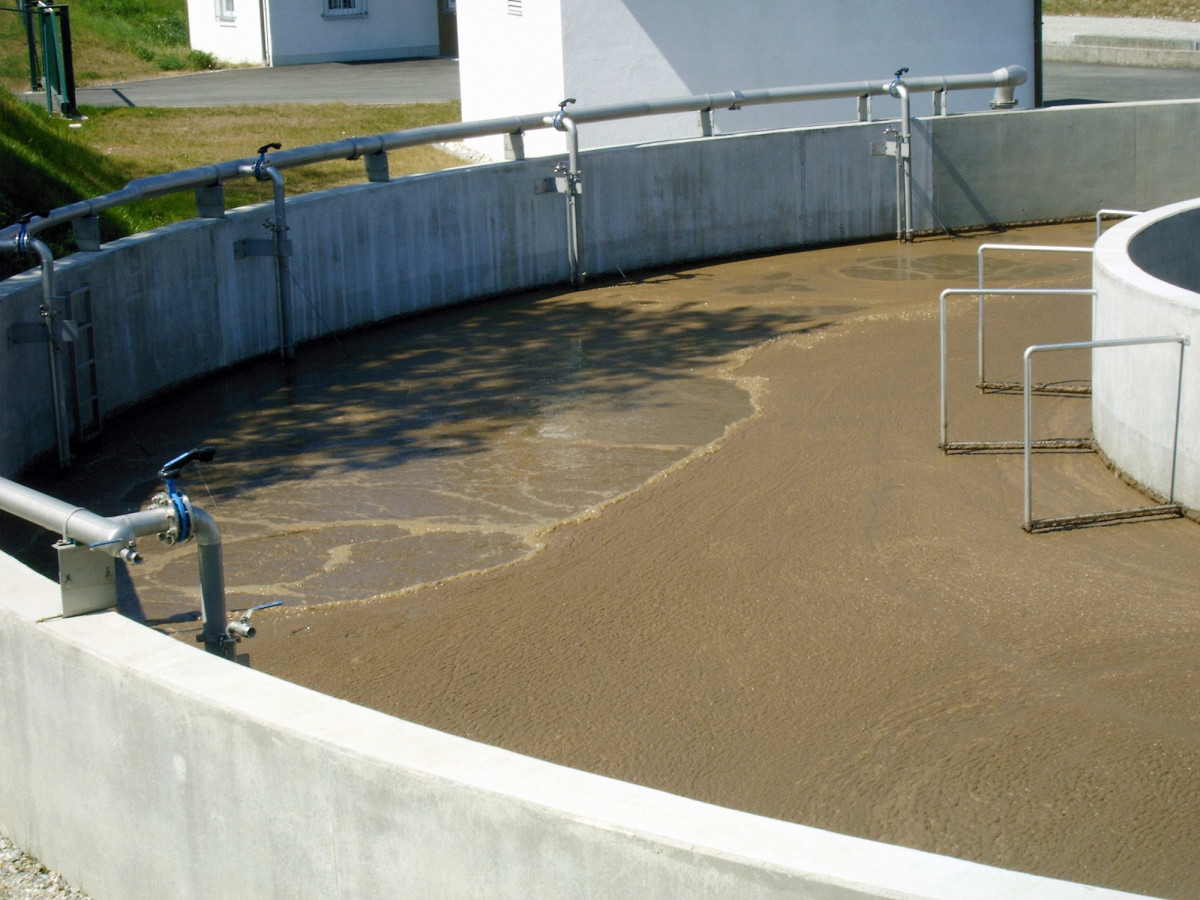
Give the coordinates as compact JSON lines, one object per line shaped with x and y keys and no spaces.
{"x":711,"y":547}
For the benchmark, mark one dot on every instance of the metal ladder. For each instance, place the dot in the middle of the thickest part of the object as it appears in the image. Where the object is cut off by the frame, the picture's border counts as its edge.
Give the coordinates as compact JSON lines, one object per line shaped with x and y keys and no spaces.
{"x":81,"y":367}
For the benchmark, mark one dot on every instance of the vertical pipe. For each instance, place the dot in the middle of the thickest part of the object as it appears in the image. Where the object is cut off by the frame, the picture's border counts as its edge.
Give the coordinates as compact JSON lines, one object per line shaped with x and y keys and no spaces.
{"x":212,"y":584}
{"x":1028,"y":394}
{"x":979,"y":304}
{"x":906,"y":156}
{"x":1178,"y":414}
{"x":564,"y":123}
{"x":62,"y":439}
{"x":942,"y":366}
{"x":575,"y":223}
{"x":283,"y":272}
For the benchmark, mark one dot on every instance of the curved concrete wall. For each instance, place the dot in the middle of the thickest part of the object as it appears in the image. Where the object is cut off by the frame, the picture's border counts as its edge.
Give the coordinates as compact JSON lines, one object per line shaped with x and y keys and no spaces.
{"x":141,"y":768}
{"x":1145,"y":271}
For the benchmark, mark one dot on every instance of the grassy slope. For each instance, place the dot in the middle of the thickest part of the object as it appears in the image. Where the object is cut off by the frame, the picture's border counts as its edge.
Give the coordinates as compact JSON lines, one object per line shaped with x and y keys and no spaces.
{"x":1183,"y":10}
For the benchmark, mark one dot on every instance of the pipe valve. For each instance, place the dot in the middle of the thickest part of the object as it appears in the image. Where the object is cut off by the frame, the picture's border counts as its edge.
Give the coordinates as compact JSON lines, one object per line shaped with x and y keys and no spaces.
{"x":262,"y":160}
{"x":176,"y":503}
{"x":561,"y":114}
{"x":897,"y":81}
{"x":241,"y":627}
{"x":23,"y":235}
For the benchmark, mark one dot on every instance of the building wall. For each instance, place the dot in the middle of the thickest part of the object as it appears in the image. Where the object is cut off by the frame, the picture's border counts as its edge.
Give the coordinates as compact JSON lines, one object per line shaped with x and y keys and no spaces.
{"x":511,"y":56}
{"x":391,"y":29}
{"x":298,"y":31}
{"x":236,"y":40}
{"x":609,"y":51}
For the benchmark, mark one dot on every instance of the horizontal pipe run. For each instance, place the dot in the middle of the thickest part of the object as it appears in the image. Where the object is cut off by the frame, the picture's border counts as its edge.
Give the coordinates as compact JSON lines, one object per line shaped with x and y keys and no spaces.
{"x":355,"y":148}
{"x":113,"y":535}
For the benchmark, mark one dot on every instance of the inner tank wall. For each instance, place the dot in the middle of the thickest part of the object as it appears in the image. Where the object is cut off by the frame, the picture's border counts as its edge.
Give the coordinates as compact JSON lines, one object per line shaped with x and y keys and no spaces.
{"x":172,"y":304}
{"x":1144,"y":272}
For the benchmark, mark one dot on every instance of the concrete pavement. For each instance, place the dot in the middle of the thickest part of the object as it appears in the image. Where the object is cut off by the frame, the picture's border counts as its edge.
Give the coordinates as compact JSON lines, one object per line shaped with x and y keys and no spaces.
{"x":1150,"y":43}
{"x":376,"y":83}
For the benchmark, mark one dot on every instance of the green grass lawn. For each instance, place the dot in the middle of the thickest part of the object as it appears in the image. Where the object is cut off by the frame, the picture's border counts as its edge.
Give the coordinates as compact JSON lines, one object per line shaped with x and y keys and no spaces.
{"x":1184,"y":10}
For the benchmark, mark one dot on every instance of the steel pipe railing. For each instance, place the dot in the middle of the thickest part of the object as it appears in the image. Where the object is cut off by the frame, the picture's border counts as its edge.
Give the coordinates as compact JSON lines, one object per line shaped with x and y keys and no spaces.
{"x":171,"y":517}
{"x":980,"y":255}
{"x":1003,"y":79}
{"x":1169,"y":508}
{"x":19,"y":238}
{"x":944,"y":443}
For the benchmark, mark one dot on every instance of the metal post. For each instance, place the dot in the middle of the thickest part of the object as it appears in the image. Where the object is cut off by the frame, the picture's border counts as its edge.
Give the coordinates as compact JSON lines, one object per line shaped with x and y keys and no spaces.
{"x":574,"y":187}
{"x":48,"y":312}
{"x":67,"y":102}
{"x":1169,"y":508}
{"x":31,"y":40}
{"x":1031,"y":248}
{"x":281,"y":249}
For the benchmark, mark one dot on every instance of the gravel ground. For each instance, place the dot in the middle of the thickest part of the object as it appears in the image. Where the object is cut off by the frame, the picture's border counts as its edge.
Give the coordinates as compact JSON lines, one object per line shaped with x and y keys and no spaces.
{"x":24,"y":878}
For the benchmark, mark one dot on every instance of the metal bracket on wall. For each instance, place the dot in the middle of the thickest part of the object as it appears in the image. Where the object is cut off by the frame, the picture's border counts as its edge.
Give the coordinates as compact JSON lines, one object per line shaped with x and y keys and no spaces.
{"x":557,"y":184}
{"x":889,"y":148}
{"x":262,"y":247}
{"x":65,"y":331}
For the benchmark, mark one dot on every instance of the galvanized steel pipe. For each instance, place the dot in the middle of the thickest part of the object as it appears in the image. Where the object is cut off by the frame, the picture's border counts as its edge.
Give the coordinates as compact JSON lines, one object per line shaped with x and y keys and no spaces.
{"x":117,"y":536}
{"x":355,"y":148}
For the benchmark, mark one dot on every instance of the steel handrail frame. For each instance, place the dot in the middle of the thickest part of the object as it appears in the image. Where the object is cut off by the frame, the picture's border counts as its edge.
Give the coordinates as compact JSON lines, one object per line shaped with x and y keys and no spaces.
{"x":980,"y":255}
{"x":1171,"y":508}
{"x":945,"y":444}
{"x":364,"y":147}
{"x":1114,"y":214}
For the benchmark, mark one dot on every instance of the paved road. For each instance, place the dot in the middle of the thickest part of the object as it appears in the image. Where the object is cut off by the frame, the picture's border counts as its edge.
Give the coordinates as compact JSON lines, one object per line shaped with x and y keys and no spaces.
{"x":435,"y":80}
{"x":429,"y":80}
{"x":1085,"y":41}
{"x":1064,"y":83}
{"x":400,"y":81}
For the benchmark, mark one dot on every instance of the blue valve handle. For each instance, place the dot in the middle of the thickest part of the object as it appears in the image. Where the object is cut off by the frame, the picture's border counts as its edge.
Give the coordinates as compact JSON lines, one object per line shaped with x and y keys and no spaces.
{"x":170,"y":471}
{"x":262,"y":159}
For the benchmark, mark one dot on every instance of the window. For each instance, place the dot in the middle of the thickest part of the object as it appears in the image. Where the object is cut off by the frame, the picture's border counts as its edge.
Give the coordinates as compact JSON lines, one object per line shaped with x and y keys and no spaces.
{"x":225,"y":11}
{"x":337,"y":9}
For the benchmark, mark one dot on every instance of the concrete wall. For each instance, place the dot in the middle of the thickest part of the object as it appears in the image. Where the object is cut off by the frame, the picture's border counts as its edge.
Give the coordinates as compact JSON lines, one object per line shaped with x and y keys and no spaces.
{"x":1037,"y":165}
{"x":1145,"y":274}
{"x":140,"y":767}
{"x":608,"y":51}
{"x":374,"y":251}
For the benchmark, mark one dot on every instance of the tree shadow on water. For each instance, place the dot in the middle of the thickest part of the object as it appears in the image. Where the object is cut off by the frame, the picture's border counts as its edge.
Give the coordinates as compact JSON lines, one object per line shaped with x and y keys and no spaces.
{"x":443,"y":384}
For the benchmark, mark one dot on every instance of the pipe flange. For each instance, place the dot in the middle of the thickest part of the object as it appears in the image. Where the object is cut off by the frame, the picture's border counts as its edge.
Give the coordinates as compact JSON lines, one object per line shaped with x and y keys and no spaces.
{"x":179,"y":516}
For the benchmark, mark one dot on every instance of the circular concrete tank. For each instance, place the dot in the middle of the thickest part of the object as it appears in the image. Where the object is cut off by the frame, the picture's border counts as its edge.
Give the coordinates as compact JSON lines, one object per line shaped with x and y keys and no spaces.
{"x":1147,"y":279}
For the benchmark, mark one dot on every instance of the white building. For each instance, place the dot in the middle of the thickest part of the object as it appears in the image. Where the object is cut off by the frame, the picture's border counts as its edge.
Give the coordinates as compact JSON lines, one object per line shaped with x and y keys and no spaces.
{"x":523,"y":56}
{"x":286,"y":32}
